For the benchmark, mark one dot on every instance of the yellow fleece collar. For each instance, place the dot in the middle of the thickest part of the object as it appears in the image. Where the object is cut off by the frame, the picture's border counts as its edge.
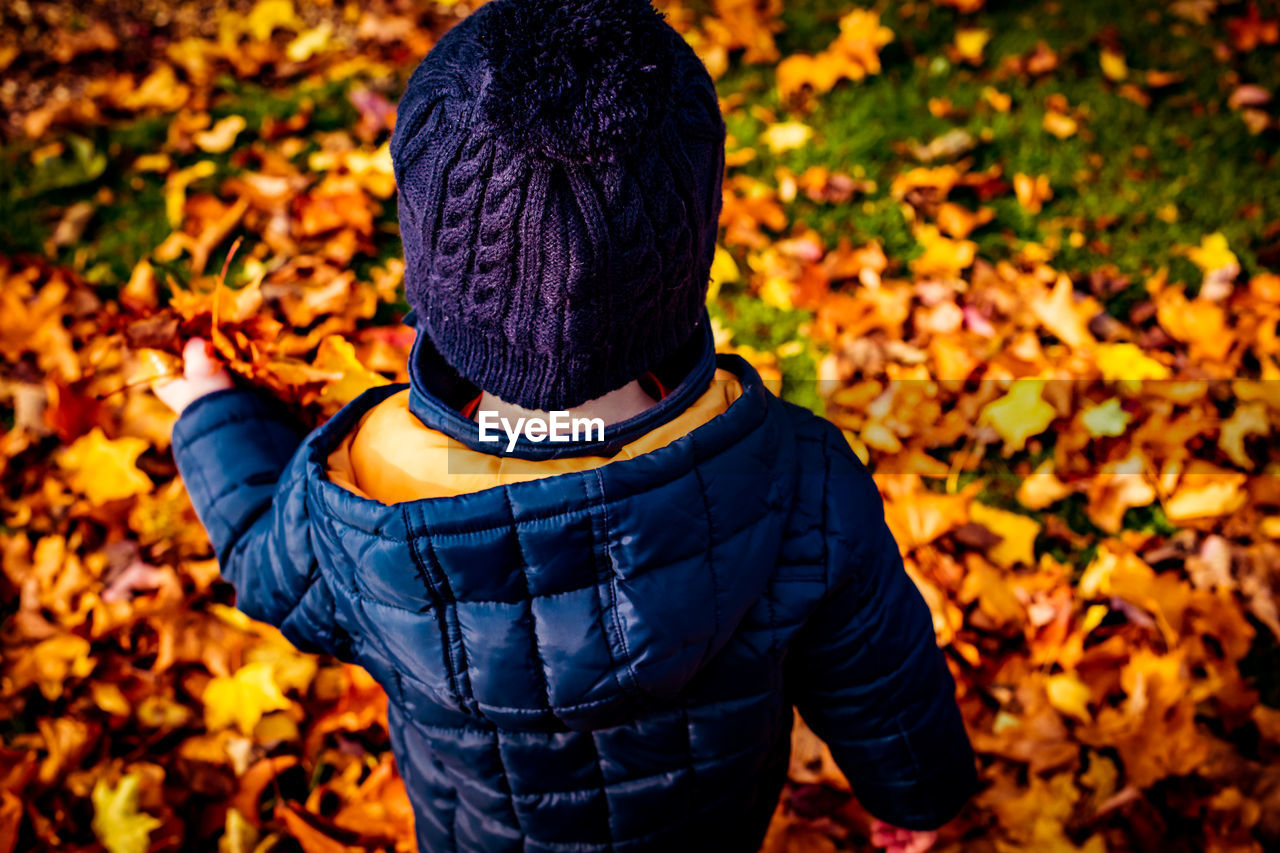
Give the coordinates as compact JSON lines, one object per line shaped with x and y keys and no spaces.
{"x":393,"y":457}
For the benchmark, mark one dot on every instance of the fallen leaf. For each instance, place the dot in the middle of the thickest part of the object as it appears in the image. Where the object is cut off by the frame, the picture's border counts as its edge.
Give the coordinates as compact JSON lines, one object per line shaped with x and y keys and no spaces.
{"x":786,"y":136}
{"x":1020,"y":414}
{"x":221,"y":136}
{"x":1114,"y":68}
{"x":241,"y":699}
{"x":104,"y":469}
{"x":970,"y":43}
{"x":116,"y":820}
{"x":1017,"y":534}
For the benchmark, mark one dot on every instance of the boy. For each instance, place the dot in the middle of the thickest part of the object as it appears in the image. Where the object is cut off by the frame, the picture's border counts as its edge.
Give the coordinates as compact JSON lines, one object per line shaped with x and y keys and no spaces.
{"x":588,"y":645}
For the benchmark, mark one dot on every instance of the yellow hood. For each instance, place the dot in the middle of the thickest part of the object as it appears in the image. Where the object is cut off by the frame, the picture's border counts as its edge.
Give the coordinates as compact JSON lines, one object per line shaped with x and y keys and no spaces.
{"x":392,"y":457}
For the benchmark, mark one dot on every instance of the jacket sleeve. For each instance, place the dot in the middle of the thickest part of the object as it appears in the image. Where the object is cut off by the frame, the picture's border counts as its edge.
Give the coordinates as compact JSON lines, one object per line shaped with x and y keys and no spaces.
{"x":238,"y":455}
{"x":868,"y":677}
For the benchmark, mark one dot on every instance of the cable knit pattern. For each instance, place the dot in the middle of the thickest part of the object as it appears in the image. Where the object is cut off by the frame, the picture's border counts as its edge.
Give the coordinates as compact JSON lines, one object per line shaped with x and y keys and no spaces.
{"x":559,"y":166}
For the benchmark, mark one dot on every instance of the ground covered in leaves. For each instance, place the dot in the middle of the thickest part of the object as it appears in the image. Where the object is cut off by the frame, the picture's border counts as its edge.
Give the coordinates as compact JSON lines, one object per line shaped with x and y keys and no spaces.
{"x":1025,"y":254}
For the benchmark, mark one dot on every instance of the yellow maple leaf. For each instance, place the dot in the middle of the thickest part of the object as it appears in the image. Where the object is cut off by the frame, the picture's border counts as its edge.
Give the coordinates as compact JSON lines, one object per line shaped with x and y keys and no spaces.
{"x":958,"y":221}
{"x":1128,"y":362}
{"x":786,"y":136}
{"x":1059,"y":124}
{"x":104,"y":469}
{"x":310,"y":42}
{"x":724,"y":270}
{"x":268,"y":15}
{"x":1017,"y":534}
{"x":942,"y":256}
{"x":336,"y":355}
{"x":108,"y":697}
{"x":1105,"y":419}
{"x":1114,"y":68}
{"x":857,"y":48}
{"x":242,"y":698}
{"x":775,"y":291}
{"x":970,"y":43}
{"x":1068,"y":695}
{"x":1213,"y":254}
{"x":1019,"y":414}
{"x":116,"y":820}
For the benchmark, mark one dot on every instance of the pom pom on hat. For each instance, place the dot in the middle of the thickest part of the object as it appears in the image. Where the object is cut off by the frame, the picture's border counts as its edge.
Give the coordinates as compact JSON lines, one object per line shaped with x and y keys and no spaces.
{"x":576,"y":79}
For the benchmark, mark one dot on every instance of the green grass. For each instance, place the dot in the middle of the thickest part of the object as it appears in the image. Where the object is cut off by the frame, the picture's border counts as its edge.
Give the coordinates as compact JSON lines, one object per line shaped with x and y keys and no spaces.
{"x":1186,"y":152}
{"x":129,"y":220}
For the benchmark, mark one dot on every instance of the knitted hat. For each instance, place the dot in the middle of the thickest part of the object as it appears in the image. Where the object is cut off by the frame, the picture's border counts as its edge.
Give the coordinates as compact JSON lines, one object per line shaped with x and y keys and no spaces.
{"x":559,"y":167}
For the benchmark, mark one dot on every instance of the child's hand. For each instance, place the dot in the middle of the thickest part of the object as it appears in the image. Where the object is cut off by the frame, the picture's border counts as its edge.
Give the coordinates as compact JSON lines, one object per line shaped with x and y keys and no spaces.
{"x":895,"y":840}
{"x":201,"y":375}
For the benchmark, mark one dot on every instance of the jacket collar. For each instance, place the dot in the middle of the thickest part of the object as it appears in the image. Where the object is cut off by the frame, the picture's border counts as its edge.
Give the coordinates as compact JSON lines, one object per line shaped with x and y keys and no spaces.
{"x":436,"y":391}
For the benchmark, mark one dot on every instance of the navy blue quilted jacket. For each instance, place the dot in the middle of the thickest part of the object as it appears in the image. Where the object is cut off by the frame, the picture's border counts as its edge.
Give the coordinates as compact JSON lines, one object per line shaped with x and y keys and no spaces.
{"x":604,"y":660}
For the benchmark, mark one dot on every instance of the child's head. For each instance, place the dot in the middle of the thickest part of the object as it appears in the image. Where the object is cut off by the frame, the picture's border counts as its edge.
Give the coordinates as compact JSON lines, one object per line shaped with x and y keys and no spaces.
{"x":559,"y":165}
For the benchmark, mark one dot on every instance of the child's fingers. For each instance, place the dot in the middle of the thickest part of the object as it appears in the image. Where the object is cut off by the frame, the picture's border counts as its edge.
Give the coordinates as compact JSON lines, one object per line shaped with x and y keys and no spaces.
{"x":921,"y":842}
{"x":886,"y":837}
{"x":196,"y":360}
{"x":201,"y":375}
{"x":894,"y":839}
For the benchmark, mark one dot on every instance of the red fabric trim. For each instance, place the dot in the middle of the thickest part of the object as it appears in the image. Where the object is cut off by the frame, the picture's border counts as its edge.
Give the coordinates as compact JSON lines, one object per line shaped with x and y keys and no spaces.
{"x":657,"y":384}
{"x":469,"y":410}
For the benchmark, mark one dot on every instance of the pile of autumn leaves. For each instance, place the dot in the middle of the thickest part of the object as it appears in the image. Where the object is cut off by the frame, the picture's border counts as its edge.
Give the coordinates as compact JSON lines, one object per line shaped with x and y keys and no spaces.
{"x":1101,"y":686}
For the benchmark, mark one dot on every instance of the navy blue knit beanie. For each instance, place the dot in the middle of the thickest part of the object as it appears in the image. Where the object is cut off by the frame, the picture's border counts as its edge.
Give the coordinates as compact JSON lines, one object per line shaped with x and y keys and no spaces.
{"x":559,"y":166}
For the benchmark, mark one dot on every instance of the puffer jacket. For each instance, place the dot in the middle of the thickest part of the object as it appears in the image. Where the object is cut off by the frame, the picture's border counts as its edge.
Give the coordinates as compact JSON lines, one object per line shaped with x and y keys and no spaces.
{"x":606,"y":659}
